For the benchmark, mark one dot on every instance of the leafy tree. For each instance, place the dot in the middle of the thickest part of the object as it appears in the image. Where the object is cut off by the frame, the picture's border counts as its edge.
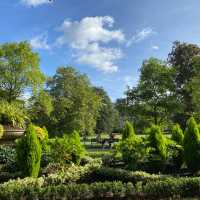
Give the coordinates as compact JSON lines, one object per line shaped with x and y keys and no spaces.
{"x":151,"y":101}
{"x":76,"y":104}
{"x":40,"y":108}
{"x":29,"y":153}
{"x":181,"y":59}
{"x":19,"y":67}
{"x":107,"y":115}
{"x":192,"y":145}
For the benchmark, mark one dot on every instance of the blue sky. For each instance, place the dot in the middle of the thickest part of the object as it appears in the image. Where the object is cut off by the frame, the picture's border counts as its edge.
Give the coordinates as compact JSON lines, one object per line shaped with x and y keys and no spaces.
{"x":106,"y":39}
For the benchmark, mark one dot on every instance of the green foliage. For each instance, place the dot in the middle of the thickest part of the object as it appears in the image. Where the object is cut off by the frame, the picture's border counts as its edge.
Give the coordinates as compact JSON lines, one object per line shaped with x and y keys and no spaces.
{"x":175,"y":188}
{"x":67,"y":149}
{"x":128,"y":131}
{"x":7,"y":154}
{"x":29,"y":153}
{"x":1,"y":131}
{"x":112,"y":174}
{"x":177,"y":134}
{"x":181,"y":58}
{"x":43,"y":137}
{"x":108,"y":116}
{"x":19,"y":67}
{"x":192,"y":145}
{"x":12,"y":114}
{"x":132,"y":151}
{"x":40,"y":108}
{"x":130,"y":147}
{"x":76,"y":104}
{"x":32,"y":189}
{"x":157,"y":142}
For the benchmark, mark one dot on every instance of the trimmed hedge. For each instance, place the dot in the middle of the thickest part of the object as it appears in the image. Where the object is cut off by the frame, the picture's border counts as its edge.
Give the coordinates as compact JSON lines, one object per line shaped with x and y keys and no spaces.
{"x":125,"y":176}
{"x":33,"y":190}
{"x":173,"y":187}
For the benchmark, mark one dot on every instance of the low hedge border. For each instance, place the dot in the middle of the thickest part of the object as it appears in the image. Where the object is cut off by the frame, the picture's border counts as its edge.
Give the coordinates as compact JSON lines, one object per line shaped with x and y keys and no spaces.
{"x":34,"y":189}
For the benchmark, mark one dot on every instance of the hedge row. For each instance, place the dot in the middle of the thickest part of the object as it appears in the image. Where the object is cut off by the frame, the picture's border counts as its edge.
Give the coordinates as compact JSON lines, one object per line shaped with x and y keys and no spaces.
{"x":34,"y":191}
{"x":125,"y":176}
{"x":173,"y":188}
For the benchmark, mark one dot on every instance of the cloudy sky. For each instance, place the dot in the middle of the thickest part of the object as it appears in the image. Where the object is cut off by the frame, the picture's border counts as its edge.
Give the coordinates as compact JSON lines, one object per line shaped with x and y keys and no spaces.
{"x":106,"y":39}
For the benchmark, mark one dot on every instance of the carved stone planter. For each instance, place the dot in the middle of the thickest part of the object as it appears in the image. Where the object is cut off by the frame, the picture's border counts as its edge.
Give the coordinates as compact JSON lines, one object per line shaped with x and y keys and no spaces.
{"x":10,"y":134}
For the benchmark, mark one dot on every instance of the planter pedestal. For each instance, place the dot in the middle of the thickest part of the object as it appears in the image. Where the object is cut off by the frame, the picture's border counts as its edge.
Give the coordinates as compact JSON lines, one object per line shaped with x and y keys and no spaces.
{"x":11,"y":134}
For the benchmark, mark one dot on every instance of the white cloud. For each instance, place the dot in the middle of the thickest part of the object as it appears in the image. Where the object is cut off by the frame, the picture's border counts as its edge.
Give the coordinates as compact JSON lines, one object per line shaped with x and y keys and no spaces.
{"x":130,"y":80}
{"x":89,"y":37}
{"x":100,"y":57}
{"x":155,"y":47}
{"x":141,"y":35}
{"x":40,"y":42}
{"x":34,"y":2}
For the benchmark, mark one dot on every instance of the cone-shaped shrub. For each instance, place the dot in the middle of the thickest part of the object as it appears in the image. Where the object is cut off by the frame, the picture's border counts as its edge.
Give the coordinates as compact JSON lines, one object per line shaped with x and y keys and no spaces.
{"x":29,"y":153}
{"x":177,"y":134}
{"x":128,"y":130}
{"x":192,"y":145}
{"x":177,"y":147}
{"x":157,"y":142}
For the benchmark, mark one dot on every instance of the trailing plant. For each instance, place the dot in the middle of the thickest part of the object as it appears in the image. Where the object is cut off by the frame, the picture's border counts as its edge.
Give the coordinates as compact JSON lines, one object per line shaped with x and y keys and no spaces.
{"x":12,"y":114}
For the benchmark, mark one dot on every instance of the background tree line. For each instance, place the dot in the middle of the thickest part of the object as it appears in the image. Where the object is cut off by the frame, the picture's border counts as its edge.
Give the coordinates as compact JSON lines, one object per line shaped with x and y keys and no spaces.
{"x":63,"y":103}
{"x":167,"y":91}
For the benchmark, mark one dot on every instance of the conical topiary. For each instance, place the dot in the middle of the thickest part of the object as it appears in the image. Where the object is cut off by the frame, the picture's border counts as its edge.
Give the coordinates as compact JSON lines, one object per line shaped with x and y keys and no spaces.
{"x":192,"y":145}
{"x":29,"y":153}
{"x":128,"y":130}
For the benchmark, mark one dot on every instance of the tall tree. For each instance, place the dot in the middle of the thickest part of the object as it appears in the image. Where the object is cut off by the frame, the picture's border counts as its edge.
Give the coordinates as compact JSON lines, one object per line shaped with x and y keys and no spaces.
{"x":19,"y":67}
{"x":181,"y":58}
{"x":76,"y":104}
{"x":152,"y":97}
{"x":107,"y":116}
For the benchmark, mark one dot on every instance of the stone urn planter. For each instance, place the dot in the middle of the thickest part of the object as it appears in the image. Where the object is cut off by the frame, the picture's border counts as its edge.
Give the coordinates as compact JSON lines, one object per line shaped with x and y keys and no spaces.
{"x":11,"y":134}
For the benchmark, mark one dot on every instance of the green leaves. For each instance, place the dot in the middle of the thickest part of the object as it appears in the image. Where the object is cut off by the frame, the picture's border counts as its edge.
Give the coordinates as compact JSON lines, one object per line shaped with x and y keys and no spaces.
{"x":20,"y":70}
{"x":191,"y":145}
{"x":13,"y":114}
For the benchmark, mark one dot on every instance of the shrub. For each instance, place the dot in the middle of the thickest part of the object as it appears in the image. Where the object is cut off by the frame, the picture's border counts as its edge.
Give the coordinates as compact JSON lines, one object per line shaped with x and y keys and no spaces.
{"x":31,"y":189}
{"x":130,"y":147}
{"x":1,"y":131}
{"x":175,"y":188}
{"x":192,"y":145}
{"x":128,"y":131}
{"x":62,"y":174}
{"x":43,"y":137}
{"x":7,"y":154}
{"x":177,"y":134}
{"x":29,"y":153}
{"x":157,"y":143}
{"x":67,"y":149}
{"x":132,"y":151}
{"x":113,"y":174}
